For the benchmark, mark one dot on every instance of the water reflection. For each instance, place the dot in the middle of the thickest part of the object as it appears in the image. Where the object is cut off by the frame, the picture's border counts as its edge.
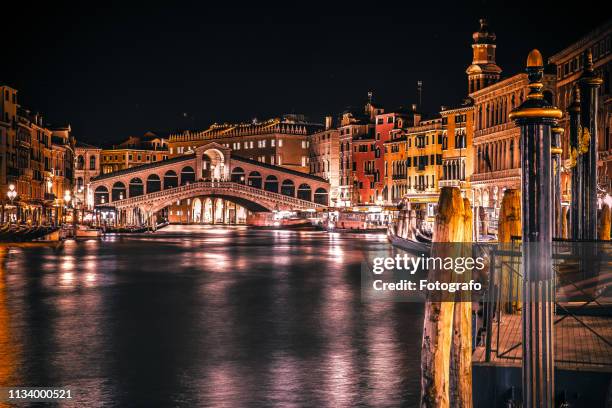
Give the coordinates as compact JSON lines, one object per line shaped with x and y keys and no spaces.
{"x":208,"y":317}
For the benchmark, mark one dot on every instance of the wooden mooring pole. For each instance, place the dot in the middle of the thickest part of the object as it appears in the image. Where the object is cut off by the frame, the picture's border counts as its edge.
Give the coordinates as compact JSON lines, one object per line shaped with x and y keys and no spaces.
{"x":447,"y":324}
{"x":536,"y":117}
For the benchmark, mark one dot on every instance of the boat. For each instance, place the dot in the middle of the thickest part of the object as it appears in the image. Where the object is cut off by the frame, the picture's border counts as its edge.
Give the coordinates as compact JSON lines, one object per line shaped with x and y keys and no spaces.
{"x":421,"y":244}
{"x":358,"y":220}
{"x":83,"y":231}
{"x":282,"y":220}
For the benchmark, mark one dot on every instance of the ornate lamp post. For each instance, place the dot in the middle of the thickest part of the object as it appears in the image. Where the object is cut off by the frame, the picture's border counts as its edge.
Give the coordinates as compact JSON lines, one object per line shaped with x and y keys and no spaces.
{"x":589,"y":84}
{"x":536,"y":118}
{"x":11,"y":193}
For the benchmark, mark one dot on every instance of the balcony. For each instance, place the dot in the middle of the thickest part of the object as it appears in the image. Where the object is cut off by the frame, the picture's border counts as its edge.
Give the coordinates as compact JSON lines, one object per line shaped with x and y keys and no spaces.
{"x":451,"y":183}
{"x":496,"y":175}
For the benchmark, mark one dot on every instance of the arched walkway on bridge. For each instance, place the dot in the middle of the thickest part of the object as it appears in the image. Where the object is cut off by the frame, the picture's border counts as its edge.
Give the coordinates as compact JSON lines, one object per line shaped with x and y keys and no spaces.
{"x":254,"y":179}
{"x":238,"y":175}
{"x":101,"y":195}
{"x":170,"y":179}
{"x":187,"y":175}
{"x":136,"y":188}
{"x":304,"y":192}
{"x":153,"y":183}
{"x":271,"y":184}
{"x":118,"y":191}
{"x":288,"y":188}
{"x":321,"y":196}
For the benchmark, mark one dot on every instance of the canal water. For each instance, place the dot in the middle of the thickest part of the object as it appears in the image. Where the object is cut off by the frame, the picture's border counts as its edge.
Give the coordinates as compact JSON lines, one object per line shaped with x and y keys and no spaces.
{"x":204,"y":316}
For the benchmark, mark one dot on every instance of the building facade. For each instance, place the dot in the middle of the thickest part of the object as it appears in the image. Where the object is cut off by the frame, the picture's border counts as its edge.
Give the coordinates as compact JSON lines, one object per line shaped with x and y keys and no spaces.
{"x":134,"y":151}
{"x":35,"y":160}
{"x":569,"y":64}
{"x":325,"y":158}
{"x":354,"y":124}
{"x":458,"y":148}
{"x":279,"y":141}
{"x":87,"y":167}
{"x":424,"y":162}
{"x":388,"y":125}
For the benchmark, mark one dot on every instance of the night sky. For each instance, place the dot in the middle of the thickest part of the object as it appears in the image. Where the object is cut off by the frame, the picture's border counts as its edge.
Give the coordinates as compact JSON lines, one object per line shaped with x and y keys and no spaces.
{"x":118,"y":70}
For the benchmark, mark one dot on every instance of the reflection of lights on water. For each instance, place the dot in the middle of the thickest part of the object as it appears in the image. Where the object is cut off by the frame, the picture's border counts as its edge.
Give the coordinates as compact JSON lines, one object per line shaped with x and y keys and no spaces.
{"x":68,"y":264}
{"x":67,"y":278}
{"x":337,"y":253}
{"x":90,"y":277}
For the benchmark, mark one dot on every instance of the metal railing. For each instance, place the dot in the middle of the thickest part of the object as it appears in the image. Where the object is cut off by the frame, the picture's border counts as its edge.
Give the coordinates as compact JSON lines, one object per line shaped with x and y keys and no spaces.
{"x":220,"y":187}
{"x":591,"y":315}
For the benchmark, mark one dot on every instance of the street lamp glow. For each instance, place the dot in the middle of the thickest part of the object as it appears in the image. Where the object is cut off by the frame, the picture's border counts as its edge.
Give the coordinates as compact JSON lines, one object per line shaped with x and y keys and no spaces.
{"x":11,"y":194}
{"x":67,"y":196}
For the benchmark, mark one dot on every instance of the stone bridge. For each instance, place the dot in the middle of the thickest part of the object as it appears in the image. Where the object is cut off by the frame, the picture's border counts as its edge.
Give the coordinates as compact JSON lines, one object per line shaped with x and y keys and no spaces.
{"x":210,"y":171}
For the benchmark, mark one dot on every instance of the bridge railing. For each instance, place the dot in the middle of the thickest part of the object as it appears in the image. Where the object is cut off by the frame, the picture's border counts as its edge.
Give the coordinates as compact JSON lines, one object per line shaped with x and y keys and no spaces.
{"x":218,"y":188}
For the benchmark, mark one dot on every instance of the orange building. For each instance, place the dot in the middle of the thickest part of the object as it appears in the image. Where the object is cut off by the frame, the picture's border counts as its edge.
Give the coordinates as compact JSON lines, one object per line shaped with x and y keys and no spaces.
{"x":364,"y":169}
{"x":353,"y":124}
{"x":424,"y":162}
{"x":388,"y":123}
{"x":396,"y":170}
{"x":457,"y":148}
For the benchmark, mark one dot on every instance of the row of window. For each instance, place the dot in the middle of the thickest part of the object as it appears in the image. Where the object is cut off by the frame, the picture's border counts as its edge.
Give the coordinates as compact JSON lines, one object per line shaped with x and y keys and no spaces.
{"x":576,"y":64}
{"x":381,"y":121}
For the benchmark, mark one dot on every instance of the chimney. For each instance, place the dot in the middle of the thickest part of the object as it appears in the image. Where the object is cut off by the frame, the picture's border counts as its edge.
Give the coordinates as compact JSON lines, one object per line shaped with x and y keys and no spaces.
{"x":414,"y":107}
{"x":443,"y":107}
{"x":328,"y":122}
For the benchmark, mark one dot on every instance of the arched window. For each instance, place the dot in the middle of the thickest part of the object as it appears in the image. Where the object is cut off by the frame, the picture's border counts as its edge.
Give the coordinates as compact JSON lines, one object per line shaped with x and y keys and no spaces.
{"x":136,"y":188}
{"x":254,"y":179}
{"x":187,"y":175}
{"x":271,"y":184}
{"x":92,"y":162}
{"x":153,"y":183}
{"x":118,"y":192}
{"x":304,"y":192}
{"x":101,"y":195}
{"x":170,"y":179}
{"x":79,"y":184}
{"x":288,"y":188}
{"x":320,"y":196}
{"x":80,"y":162}
{"x":238,"y":175}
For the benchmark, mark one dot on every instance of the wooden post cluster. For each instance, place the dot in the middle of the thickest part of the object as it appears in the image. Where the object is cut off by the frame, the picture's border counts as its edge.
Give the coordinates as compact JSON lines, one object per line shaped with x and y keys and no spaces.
{"x":509,"y":227}
{"x":446,"y":356}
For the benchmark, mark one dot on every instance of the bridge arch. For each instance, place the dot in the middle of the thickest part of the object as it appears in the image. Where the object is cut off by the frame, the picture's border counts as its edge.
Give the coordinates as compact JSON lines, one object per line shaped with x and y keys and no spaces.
{"x":153,"y":183}
{"x":135,"y":188}
{"x":170,"y":179}
{"x":118,"y":191}
{"x":187,"y":175}
{"x":271,"y":184}
{"x":254,"y":179}
{"x":304,"y":192}
{"x":196,"y":210}
{"x":288,"y":188}
{"x":321,"y":196}
{"x":213,"y":164}
{"x":101,"y":195}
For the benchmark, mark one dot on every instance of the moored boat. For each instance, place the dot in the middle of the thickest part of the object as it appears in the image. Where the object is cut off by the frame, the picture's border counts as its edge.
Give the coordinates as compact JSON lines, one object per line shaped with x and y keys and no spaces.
{"x":83,"y":231}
